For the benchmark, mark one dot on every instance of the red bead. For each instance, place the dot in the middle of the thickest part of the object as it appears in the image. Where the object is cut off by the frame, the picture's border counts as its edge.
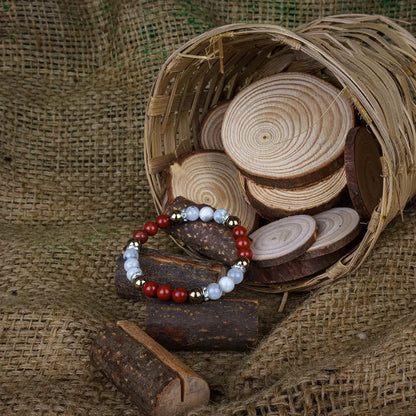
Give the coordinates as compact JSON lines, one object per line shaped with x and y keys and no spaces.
{"x":245,"y":252}
{"x":164,"y":292}
{"x":150,"y":288}
{"x":141,"y":235}
{"x":239,"y":231}
{"x":163,"y":221}
{"x":150,"y":228}
{"x":243,"y":242}
{"x":179,"y":295}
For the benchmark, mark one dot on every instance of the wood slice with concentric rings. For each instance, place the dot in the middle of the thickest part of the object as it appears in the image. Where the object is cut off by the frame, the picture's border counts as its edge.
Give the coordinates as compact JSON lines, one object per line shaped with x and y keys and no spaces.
{"x":283,"y":240}
{"x":287,"y":130}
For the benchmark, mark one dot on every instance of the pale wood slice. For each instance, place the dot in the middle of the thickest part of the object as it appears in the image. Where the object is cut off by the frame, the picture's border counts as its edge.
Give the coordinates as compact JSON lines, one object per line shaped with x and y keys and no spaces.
{"x":364,"y":171}
{"x":287,"y":130}
{"x":283,"y":240}
{"x":210,"y":178}
{"x":273,"y":203}
{"x":210,"y":134}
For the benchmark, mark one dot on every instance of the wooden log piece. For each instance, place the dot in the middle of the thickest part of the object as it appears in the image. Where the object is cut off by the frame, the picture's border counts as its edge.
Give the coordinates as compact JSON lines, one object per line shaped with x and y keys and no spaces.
{"x":222,"y":325}
{"x":174,"y":269}
{"x":274,"y":203}
{"x":207,"y":238}
{"x":210,"y":134}
{"x":338,"y":234}
{"x":283,"y":240}
{"x":363,"y":170}
{"x":209,"y":177}
{"x":287,"y":130}
{"x":156,"y":381}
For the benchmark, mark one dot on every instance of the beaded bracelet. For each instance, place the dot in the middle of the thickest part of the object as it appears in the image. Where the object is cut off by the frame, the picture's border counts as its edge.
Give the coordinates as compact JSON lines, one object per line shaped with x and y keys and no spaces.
{"x":213,"y":291}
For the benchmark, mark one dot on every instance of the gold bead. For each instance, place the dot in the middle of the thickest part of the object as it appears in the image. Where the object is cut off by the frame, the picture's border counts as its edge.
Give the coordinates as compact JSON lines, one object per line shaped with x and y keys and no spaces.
{"x":243,"y":262}
{"x":232,"y":221}
{"x":133,"y":242}
{"x":195,"y":295}
{"x":176,"y":217}
{"x":138,"y":281}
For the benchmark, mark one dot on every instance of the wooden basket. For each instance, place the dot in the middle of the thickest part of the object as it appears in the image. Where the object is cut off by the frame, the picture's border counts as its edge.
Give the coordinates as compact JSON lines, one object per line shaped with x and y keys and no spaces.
{"x":371,"y":58}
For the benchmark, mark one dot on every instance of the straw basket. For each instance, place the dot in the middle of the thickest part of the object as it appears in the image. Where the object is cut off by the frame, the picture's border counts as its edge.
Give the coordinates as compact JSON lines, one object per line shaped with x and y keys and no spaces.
{"x":371,"y":58}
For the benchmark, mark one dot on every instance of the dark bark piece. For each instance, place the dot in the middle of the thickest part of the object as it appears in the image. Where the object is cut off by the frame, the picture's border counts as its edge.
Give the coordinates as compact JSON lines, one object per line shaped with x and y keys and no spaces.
{"x":225,"y":324}
{"x":156,"y":381}
{"x":364,"y":171}
{"x":207,"y":238}
{"x":175,"y":270}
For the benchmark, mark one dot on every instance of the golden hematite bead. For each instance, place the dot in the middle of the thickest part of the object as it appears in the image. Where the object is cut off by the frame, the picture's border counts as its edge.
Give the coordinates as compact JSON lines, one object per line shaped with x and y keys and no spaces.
{"x":133,"y":242}
{"x":138,"y":282}
{"x":242,"y":261}
{"x":195,"y":295}
{"x":176,"y":217}
{"x":232,"y":221}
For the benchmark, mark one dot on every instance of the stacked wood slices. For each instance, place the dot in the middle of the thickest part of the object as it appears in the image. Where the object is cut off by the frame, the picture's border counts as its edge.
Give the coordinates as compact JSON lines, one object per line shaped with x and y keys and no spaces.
{"x":289,"y":154}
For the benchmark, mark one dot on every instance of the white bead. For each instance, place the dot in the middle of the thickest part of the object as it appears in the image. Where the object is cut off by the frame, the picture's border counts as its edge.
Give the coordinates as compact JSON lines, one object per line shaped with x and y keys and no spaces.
{"x":220,"y":215}
{"x":133,"y":271}
{"x":214,"y":291}
{"x":226,"y":284}
{"x":192,"y":213}
{"x":130,"y":263}
{"x":131,"y":253}
{"x":206,"y":214}
{"x":236,"y":274}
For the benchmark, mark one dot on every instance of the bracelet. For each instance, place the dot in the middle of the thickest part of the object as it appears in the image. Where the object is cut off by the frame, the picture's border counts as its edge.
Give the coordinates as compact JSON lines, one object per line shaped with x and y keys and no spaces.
{"x":213,"y":291}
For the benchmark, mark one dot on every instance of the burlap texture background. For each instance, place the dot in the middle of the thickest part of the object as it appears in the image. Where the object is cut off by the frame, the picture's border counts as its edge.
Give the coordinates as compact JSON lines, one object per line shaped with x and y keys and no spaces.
{"x":74,"y":81}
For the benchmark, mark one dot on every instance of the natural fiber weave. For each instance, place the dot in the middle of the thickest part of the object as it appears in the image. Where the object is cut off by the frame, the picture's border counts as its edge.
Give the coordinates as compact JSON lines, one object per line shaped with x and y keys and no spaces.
{"x":74,"y":82}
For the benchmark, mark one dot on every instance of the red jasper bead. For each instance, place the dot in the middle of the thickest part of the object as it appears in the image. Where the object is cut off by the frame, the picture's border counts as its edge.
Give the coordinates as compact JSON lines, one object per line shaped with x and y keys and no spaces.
{"x":243,"y":242}
{"x":150,"y":228}
{"x":164,"y":292}
{"x":179,"y":295}
{"x":141,"y":235}
{"x":163,"y":221}
{"x":239,"y":231}
{"x":245,"y":252}
{"x":150,"y":289}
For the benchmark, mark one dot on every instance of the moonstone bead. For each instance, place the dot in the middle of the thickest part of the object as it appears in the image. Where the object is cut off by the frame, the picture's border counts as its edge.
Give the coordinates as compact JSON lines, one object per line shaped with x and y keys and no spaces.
{"x":131,"y":253}
{"x":132,"y":272}
{"x":236,"y":274}
{"x":206,"y":214}
{"x":192,"y":213}
{"x":226,"y":284}
{"x":214,"y":291}
{"x":130,"y":263}
{"x":220,"y":215}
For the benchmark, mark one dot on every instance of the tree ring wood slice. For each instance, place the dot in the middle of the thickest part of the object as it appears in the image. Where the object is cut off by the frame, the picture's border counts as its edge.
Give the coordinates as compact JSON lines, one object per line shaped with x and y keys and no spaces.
{"x":273,"y":203}
{"x":287,"y":130}
{"x":210,"y":133}
{"x":209,"y":177}
{"x":283,"y":240}
{"x":364,"y":171}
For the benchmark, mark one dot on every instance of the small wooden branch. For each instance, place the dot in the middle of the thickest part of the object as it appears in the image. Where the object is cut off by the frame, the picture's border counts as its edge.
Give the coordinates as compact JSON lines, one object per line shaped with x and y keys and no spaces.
{"x":226,"y":324}
{"x":156,"y":381}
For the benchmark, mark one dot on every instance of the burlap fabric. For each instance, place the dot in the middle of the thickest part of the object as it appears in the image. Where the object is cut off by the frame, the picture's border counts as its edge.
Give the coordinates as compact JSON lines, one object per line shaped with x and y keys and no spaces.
{"x":75,"y":77}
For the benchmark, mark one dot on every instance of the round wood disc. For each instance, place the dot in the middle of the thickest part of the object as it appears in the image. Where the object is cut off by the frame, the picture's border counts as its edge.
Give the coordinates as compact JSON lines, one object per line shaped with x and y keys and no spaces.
{"x":363,"y":170}
{"x":283,"y":240}
{"x":287,"y":130}
{"x":210,"y":134}
{"x":273,"y":203}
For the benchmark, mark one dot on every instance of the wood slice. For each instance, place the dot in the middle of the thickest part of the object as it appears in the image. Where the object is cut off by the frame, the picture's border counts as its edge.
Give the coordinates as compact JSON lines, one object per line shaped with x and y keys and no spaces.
{"x":223,"y":325}
{"x":210,"y":134}
{"x":287,"y":130}
{"x":209,"y":177}
{"x":273,"y":203}
{"x":156,"y":381}
{"x":338,"y":229}
{"x":363,"y":170}
{"x":283,"y":240}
